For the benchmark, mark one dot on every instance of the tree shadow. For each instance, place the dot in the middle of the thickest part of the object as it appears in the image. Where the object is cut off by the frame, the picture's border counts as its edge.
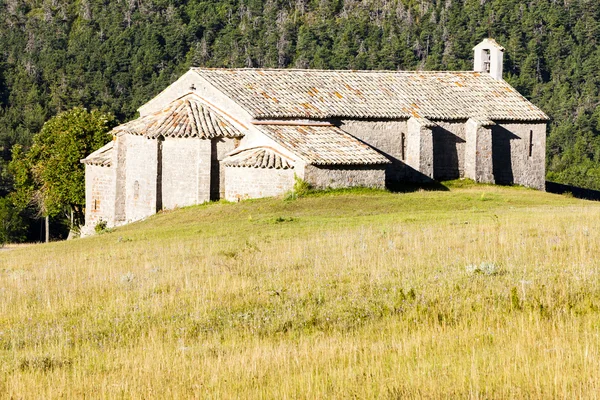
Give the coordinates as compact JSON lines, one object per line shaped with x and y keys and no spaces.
{"x":577,"y":192}
{"x":410,"y":187}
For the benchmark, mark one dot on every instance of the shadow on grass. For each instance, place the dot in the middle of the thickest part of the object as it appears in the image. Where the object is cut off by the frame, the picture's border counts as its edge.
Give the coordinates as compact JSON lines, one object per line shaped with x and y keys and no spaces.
{"x":359,"y":190}
{"x":407,"y":187}
{"x":577,"y":192}
{"x":404,"y":187}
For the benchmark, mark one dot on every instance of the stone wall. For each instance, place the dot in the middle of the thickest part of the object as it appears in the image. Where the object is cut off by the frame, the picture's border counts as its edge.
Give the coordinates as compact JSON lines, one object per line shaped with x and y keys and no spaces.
{"x":419,"y":152}
{"x":220,"y":148}
{"x":323,"y":177}
{"x":119,"y":163}
{"x":190,"y":171}
{"x":478,"y":152}
{"x":251,"y":183}
{"x":517,"y":159}
{"x":99,"y":197}
{"x":385,"y":137}
{"x":449,"y":142}
{"x":183,"y":159}
{"x":450,"y":154}
{"x":140,"y":178}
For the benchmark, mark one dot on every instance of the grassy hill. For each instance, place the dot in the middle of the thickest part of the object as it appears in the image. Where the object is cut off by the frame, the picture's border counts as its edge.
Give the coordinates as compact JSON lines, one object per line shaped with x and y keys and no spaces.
{"x":480,"y":291}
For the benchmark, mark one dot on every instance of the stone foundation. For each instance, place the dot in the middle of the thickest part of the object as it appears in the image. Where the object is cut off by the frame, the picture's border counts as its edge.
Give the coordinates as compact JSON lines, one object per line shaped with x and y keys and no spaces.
{"x":334,"y":177}
{"x":251,"y":183}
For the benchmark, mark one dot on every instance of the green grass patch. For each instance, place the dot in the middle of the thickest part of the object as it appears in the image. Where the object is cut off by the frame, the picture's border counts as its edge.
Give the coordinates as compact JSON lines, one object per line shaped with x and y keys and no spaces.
{"x":478,"y":290}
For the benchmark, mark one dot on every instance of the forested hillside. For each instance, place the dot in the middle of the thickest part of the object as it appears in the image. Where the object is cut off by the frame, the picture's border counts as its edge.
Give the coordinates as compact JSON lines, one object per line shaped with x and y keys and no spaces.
{"x":116,"y":55}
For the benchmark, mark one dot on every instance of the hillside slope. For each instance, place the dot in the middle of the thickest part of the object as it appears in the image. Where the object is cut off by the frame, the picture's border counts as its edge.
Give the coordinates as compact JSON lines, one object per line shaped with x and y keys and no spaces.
{"x":115,"y":56}
{"x":479,"y":291}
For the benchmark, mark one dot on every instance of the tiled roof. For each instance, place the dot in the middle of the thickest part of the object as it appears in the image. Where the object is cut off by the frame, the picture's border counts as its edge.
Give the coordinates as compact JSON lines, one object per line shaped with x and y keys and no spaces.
{"x":483,"y":121}
{"x":323,"y":145}
{"x":183,"y":118}
{"x":490,"y":42}
{"x":260,"y":157}
{"x":425,"y":122}
{"x":101,"y":157}
{"x":318,"y":94}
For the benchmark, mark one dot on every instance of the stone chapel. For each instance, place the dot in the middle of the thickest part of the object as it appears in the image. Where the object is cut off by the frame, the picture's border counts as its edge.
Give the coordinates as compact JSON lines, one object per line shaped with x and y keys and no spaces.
{"x":246,"y":133}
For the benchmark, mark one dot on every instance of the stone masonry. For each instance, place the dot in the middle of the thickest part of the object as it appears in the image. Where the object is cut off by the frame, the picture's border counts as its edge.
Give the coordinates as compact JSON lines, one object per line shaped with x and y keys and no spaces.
{"x":245,"y":133}
{"x":100,"y":194}
{"x":249,"y":183}
{"x":478,"y":163}
{"x":335,"y":177}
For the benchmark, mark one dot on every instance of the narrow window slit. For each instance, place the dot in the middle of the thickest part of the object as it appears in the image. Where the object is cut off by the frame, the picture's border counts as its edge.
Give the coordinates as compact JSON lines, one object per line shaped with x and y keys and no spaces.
{"x":402,"y":146}
{"x":530,"y":143}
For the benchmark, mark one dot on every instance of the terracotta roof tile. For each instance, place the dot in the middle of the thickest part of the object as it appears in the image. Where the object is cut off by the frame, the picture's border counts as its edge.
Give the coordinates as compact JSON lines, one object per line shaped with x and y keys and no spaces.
{"x":323,"y":145}
{"x":183,"y":118}
{"x":318,"y":94}
{"x":260,"y":157}
{"x":101,"y":157}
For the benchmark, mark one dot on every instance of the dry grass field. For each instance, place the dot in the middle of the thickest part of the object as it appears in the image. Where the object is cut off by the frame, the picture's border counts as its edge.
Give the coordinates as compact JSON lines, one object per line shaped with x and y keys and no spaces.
{"x":477,"y":292}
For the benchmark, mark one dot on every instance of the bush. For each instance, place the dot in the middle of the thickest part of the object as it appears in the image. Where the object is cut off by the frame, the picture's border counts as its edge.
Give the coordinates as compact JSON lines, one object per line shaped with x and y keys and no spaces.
{"x":301,"y":189}
{"x":101,"y":226}
{"x":13,"y":227}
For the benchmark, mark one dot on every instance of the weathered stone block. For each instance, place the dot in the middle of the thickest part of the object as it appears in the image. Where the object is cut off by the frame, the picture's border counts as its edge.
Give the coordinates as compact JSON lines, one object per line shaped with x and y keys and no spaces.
{"x":250,"y":183}
{"x":323,"y":177}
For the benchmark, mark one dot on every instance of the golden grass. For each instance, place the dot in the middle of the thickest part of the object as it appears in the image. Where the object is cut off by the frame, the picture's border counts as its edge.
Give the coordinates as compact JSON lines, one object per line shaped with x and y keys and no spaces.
{"x":480,"y":292}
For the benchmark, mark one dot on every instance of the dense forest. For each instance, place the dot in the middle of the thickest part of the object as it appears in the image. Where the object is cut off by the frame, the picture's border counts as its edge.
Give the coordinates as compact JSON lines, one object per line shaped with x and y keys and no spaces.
{"x":115,"y":55}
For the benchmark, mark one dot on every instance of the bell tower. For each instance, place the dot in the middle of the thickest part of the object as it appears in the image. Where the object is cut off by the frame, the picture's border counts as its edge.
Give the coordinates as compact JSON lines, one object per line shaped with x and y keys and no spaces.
{"x":489,"y":57}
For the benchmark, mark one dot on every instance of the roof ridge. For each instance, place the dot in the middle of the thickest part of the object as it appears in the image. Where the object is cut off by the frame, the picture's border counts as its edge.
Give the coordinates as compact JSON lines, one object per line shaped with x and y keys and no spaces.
{"x":387,"y":71}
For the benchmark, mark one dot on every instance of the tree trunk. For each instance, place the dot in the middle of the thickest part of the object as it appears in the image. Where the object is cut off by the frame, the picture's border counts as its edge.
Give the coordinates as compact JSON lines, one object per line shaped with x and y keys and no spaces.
{"x":74,"y":231}
{"x":47,"y":226}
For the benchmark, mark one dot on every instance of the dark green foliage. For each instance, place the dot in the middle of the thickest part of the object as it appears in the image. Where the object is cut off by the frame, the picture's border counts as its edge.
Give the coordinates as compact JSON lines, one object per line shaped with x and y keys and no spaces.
{"x":100,"y":226}
{"x":50,"y":176}
{"x":13,"y":227}
{"x":114,"y":56}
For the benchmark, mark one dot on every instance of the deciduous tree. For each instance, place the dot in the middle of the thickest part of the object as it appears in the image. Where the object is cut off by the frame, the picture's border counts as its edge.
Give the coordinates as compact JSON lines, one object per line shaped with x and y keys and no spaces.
{"x":50,"y":174}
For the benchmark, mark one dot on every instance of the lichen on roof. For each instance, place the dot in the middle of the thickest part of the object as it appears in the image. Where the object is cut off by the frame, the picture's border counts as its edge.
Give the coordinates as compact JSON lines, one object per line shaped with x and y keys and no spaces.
{"x":186,"y":117}
{"x":258,"y":157}
{"x":319,"y":94}
{"x":323,"y":145}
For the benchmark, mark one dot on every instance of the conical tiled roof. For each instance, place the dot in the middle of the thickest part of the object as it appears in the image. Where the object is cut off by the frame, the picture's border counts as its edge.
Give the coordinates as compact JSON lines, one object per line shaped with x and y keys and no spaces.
{"x":261,"y":157}
{"x":186,"y":117}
